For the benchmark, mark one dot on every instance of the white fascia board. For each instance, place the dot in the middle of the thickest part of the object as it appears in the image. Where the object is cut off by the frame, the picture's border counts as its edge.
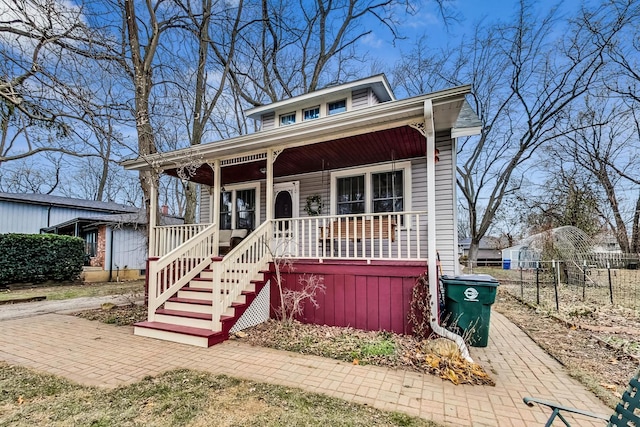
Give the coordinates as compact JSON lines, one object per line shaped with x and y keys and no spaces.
{"x":462,"y":132}
{"x":371,"y":119}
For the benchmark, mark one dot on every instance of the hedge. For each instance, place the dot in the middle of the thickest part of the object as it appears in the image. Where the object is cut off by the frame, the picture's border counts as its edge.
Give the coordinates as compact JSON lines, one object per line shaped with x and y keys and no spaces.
{"x":39,"y":257}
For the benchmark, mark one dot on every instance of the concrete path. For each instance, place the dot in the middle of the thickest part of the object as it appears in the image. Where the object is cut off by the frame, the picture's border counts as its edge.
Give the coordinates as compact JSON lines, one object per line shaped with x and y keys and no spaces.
{"x":30,"y":309}
{"x":102,"y":355}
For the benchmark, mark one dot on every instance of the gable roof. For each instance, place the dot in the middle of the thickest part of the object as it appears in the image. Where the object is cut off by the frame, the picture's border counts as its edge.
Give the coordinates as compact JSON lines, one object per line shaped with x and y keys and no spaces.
{"x":49,"y":200}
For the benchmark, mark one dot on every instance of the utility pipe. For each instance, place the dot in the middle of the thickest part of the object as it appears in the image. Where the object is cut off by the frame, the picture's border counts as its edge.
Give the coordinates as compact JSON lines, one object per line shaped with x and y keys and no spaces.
{"x":430,"y":136}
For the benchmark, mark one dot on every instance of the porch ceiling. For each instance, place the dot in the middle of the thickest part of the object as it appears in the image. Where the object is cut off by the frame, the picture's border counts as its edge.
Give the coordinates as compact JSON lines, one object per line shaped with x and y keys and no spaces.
{"x":397,"y":143}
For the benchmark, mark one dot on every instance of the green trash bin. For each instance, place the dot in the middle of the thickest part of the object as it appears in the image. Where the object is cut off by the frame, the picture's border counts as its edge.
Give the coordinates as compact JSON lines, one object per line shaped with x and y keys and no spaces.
{"x":468,"y":300}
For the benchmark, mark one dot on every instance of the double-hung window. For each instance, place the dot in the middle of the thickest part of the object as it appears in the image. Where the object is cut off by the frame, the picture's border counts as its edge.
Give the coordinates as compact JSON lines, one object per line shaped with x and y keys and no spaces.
{"x":371,"y":190}
{"x":350,"y":195}
{"x":239,"y":208}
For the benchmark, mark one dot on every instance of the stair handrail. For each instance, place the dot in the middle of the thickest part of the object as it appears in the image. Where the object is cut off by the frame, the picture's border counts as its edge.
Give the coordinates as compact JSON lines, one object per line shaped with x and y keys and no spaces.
{"x":175,"y":269}
{"x":242,"y":264}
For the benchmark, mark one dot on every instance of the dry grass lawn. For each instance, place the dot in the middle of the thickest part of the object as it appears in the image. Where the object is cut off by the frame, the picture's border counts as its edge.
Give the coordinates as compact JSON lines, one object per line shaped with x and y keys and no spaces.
{"x":176,"y":398}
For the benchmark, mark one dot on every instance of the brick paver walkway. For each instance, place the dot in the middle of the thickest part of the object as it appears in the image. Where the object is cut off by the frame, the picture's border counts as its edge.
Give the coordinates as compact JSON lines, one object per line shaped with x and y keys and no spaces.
{"x":92,"y":353}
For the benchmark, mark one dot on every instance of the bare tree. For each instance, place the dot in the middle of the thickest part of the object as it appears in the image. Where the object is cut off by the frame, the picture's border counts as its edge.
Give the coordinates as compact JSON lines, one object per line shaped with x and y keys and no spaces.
{"x":297,"y":47}
{"x":46,"y":48}
{"x":524,"y":81}
{"x":599,"y":145}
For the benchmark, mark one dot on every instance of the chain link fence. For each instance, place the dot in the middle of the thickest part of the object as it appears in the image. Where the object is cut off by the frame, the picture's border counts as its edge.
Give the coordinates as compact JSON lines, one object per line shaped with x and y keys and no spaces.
{"x":599,"y":280}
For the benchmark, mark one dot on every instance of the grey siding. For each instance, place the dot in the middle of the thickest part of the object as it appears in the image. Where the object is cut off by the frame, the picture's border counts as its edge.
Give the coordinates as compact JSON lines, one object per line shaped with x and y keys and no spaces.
{"x":445,"y":202}
{"x":446,"y":207}
{"x":268,"y":121}
{"x":129,"y":248}
{"x":360,"y":98}
{"x":16,"y":217}
{"x":204,"y":205}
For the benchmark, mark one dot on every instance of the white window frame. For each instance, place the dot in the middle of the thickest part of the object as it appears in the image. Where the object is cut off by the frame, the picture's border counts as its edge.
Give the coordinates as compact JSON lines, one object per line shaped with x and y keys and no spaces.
{"x":367,"y":171}
{"x":346,"y":106}
{"x":317,"y":107}
{"x":281,"y":116}
{"x":234,"y":205}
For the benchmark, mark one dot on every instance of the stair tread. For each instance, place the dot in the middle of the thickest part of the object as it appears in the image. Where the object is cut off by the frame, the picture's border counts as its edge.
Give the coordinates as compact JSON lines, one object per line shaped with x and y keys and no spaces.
{"x":183,"y":313}
{"x":188,"y":330}
{"x":190,"y":301}
{"x":190,"y":289}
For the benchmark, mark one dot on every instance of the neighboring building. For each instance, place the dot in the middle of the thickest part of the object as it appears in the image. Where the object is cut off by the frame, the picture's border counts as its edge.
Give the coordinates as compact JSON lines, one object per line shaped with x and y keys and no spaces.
{"x":489,"y":251}
{"x":116,"y":245}
{"x":115,"y":235}
{"x":28,"y":213}
{"x":348,"y":182}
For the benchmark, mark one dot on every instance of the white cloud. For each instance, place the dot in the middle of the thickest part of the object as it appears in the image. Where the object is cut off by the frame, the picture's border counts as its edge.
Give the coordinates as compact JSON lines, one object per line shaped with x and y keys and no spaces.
{"x":373,"y":41}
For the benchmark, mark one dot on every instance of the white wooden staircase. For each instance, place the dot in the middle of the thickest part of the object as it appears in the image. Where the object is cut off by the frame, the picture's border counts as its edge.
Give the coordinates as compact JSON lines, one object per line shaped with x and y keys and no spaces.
{"x":195,"y":298}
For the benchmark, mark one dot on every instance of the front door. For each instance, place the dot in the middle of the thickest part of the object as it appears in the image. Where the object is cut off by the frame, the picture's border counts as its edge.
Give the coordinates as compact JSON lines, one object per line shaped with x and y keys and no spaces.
{"x":286,"y":206}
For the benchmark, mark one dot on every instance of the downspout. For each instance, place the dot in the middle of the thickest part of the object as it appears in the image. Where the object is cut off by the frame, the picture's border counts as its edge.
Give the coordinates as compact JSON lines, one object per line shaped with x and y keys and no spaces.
{"x":430,"y":136}
{"x":111,"y":255}
{"x":49,"y":216}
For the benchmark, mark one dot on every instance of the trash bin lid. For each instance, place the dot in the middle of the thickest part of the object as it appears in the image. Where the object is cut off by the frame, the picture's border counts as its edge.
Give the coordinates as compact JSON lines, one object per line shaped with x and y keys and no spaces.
{"x":471,"y":279}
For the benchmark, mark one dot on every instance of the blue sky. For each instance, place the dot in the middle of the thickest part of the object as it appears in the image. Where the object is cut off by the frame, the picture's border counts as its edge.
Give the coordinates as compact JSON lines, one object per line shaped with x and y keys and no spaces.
{"x":427,"y":21}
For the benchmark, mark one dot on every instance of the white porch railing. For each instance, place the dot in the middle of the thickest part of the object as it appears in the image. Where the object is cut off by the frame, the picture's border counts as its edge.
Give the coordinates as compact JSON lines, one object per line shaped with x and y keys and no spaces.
{"x":175,"y":269}
{"x":168,"y":237}
{"x":384,"y":236}
{"x":380,"y":236}
{"x":239,"y":267}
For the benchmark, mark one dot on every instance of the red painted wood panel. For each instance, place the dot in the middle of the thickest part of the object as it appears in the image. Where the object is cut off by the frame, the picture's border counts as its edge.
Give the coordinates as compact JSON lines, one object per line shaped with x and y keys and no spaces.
{"x":372,"y":297}
{"x":372,"y":307}
{"x":384,"y":298}
{"x":349,"y":300}
{"x":337,"y":294}
{"x":361,"y":302}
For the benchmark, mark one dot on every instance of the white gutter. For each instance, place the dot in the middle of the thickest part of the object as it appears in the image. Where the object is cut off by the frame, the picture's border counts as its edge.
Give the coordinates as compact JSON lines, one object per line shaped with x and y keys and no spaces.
{"x":430,"y":135}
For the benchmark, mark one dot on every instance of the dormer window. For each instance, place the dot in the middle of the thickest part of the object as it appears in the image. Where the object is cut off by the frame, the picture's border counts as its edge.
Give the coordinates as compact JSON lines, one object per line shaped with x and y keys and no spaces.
{"x":287,"y":119}
{"x":311,"y":113}
{"x":337,"y":107}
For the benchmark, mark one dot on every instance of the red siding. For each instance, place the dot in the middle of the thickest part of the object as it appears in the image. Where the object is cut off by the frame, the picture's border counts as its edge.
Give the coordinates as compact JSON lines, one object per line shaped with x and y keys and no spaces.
{"x":364,"y":296}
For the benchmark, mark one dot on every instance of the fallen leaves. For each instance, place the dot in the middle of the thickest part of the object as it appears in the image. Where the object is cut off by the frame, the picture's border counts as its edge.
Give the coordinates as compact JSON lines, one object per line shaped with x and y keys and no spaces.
{"x":439,"y":357}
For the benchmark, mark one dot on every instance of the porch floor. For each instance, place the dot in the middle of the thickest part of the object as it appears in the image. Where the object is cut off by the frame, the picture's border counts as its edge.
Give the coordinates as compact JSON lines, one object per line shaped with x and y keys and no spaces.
{"x":102,"y":355}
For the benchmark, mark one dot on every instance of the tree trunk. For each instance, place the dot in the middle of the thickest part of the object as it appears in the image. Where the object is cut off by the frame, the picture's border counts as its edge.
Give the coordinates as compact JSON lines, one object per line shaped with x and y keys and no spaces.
{"x":474,"y":246}
{"x":635,"y":231}
{"x":190,"y":202}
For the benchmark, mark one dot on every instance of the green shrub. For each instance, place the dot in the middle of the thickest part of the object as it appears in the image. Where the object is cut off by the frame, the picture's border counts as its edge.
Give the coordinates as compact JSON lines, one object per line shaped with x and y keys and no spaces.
{"x":40,"y":257}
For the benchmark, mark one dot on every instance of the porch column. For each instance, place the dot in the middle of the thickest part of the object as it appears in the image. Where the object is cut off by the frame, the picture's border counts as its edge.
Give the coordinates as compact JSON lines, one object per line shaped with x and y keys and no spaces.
{"x":214,"y":201}
{"x":430,"y":137}
{"x":153,"y":212}
{"x":269,"y":184}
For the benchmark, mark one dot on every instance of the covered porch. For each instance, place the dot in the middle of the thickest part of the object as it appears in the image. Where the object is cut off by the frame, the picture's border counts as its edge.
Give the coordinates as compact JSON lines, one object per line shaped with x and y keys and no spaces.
{"x":372,"y":186}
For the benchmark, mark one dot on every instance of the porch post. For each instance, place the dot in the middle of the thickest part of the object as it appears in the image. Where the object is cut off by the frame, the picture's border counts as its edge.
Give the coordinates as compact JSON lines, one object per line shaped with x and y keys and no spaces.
{"x":269,"y":184}
{"x":430,"y":135}
{"x":431,"y":202}
{"x":214,"y":201}
{"x":153,"y":212}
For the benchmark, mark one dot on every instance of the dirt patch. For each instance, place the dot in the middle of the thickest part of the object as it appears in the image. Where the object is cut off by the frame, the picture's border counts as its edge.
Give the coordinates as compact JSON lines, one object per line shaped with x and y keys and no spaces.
{"x":125,"y":315}
{"x":598,"y":346}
